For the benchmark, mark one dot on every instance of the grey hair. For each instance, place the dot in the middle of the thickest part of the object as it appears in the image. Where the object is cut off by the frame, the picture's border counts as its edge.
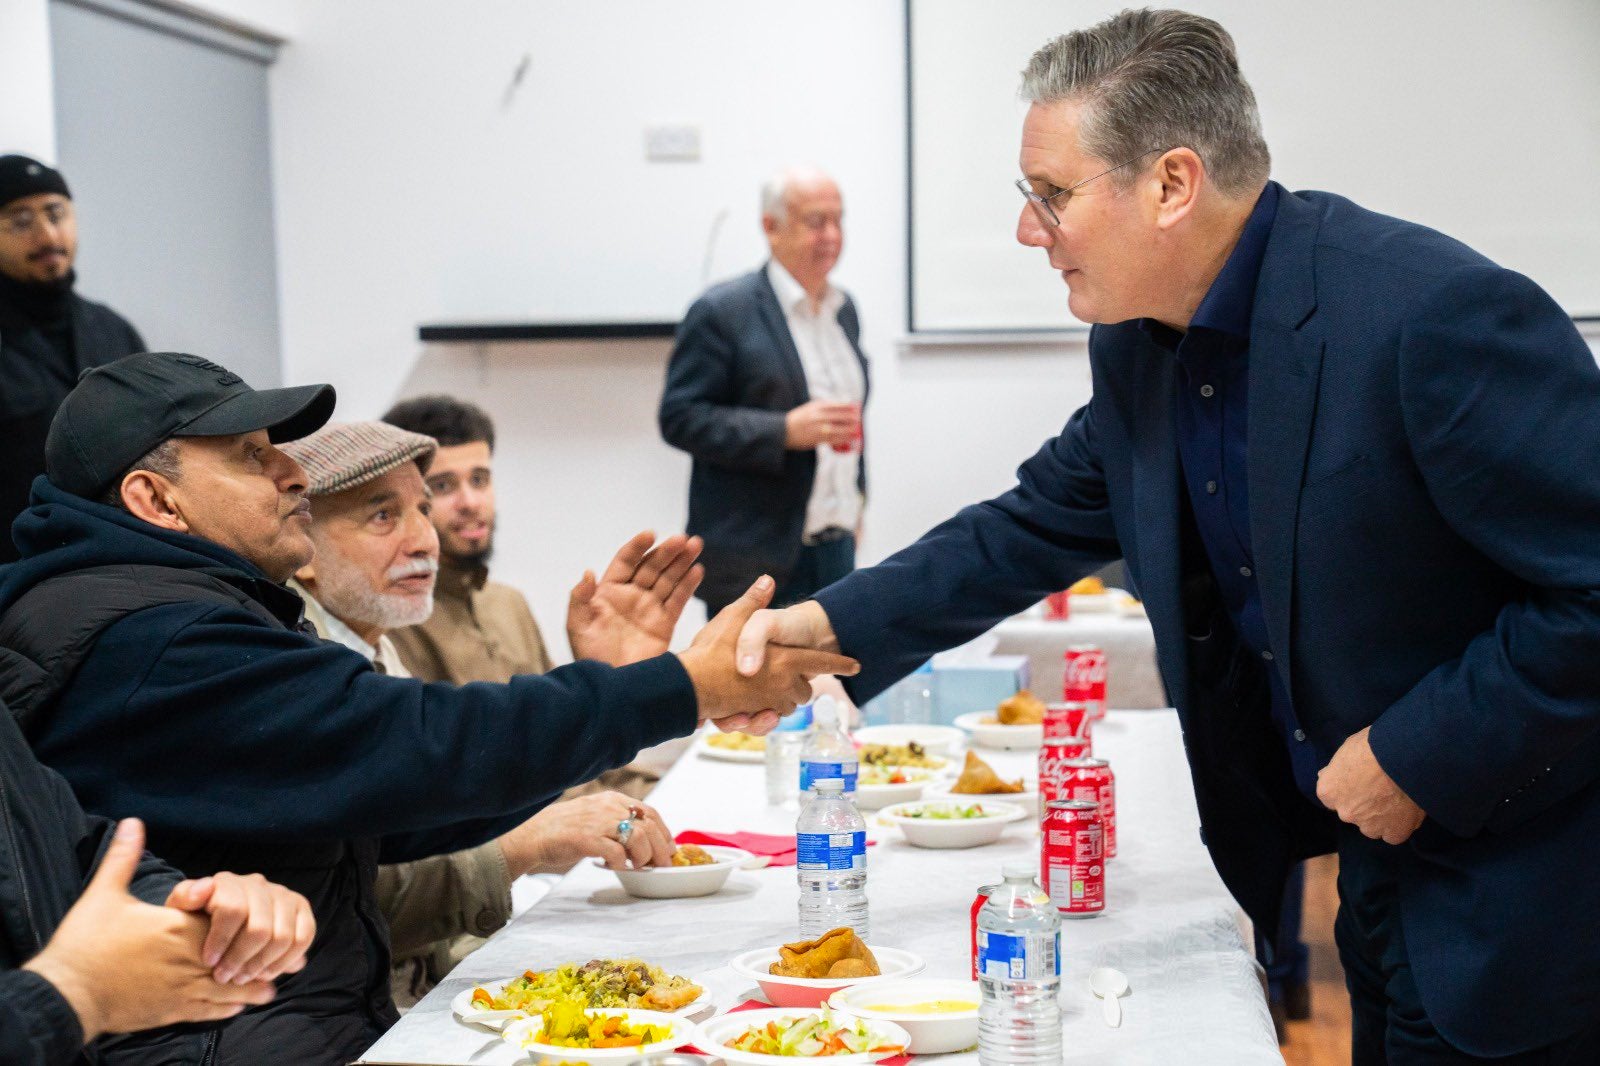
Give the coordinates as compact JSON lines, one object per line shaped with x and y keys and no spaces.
{"x":162,"y":459}
{"x":775,"y":190}
{"x":1152,"y":80}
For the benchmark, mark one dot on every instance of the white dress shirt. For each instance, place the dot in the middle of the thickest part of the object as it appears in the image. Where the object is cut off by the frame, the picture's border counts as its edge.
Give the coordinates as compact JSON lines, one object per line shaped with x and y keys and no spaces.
{"x":832,"y":373}
{"x":384,"y":657}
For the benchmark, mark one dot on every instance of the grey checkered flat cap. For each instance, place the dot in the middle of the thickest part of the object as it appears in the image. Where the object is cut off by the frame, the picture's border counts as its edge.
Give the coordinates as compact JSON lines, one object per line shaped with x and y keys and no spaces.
{"x":342,"y":455}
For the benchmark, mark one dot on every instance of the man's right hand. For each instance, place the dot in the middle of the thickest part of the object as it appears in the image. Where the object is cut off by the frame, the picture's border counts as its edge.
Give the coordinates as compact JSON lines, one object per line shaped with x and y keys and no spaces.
{"x":805,"y":625}
{"x":125,"y":965}
{"x":820,"y":422}
{"x":750,"y":700}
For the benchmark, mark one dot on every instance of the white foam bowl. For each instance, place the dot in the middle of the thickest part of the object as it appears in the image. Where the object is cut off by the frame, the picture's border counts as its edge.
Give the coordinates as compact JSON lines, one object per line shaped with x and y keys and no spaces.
{"x":519,"y":1032}
{"x":814,"y":991}
{"x":712,"y":1037}
{"x":931,"y":1034}
{"x":995,"y":735}
{"x":1028,"y":799}
{"x":954,"y":832}
{"x":680,"y":882}
{"x":875,"y":797}
{"x":935,"y":739}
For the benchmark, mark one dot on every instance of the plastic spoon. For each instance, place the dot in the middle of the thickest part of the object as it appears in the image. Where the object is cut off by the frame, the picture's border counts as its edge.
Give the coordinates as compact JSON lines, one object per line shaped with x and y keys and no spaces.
{"x":1110,"y":985}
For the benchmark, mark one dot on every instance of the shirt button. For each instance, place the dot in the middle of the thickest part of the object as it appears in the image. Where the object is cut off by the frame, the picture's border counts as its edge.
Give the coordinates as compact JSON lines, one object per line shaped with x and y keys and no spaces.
{"x":1300,"y":735}
{"x":1207,"y":391}
{"x":1267,"y":655}
{"x":1245,"y":571}
{"x":1211,"y":487}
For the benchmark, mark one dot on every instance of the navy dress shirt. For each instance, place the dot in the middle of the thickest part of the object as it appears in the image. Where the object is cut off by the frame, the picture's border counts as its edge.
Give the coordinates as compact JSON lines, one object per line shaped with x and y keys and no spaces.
{"x":1213,"y":448}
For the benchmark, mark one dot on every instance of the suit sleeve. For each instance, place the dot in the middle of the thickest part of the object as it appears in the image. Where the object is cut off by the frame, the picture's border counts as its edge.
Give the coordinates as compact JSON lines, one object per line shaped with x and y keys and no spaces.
{"x":988,"y":562}
{"x":1502,"y":405}
{"x":37,"y":1026}
{"x":699,"y":412}
{"x":300,"y":739}
{"x":444,"y":896}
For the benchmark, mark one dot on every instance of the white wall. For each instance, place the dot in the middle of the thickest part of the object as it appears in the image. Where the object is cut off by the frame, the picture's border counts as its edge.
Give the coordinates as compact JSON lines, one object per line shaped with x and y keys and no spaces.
{"x":394,"y":158}
{"x":27,"y":108}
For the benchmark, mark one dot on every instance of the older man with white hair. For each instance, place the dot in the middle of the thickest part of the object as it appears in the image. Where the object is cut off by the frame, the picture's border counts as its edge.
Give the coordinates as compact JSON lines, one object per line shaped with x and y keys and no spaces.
{"x":377,"y":555}
{"x":765,"y":390}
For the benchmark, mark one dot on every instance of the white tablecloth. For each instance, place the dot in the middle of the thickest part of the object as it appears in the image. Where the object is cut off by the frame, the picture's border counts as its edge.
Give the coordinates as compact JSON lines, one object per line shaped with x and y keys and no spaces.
{"x":1132,"y":680}
{"x":1170,"y":925}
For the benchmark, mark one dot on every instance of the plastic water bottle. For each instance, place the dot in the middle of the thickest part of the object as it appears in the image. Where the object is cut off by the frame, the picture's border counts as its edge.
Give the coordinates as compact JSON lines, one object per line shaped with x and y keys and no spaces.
{"x":831,"y":860}
{"x":1019,"y":973}
{"x":913,"y":704}
{"x":783,"y":756}
{"x":828,"y":753}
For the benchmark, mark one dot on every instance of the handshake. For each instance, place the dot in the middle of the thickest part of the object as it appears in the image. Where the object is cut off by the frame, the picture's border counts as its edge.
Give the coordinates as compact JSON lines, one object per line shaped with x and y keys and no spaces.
{"x":749,"y":665}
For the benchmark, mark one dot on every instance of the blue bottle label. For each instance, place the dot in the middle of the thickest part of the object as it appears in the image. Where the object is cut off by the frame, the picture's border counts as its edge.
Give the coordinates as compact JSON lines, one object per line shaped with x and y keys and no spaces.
{"x":831,"y":851}
{"x":822,"y":771}
{"x":1019,"y":957}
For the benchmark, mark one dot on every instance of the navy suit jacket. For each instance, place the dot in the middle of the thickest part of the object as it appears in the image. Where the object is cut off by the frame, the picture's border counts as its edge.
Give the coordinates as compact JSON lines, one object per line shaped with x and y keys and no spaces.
{"x":734,"y":374}
{"x":1424,"y":475}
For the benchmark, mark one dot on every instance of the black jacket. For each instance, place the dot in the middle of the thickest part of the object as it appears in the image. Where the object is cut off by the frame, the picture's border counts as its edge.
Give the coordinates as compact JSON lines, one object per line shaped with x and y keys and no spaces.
{"x":247,"y":744}
{"x":35,"y":376}
{"x":733,"y":376}
{"x":48,"y":851}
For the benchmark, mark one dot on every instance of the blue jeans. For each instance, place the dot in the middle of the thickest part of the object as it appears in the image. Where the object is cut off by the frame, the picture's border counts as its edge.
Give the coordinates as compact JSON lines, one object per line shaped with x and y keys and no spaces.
{"x":819,"y":566}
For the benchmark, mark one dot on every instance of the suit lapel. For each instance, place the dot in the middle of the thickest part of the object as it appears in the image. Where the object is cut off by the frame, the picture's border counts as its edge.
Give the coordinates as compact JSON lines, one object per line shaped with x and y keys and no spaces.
{"x":1155,"y":501}
{"x":1285,"y":369}
{"x":777,"y":325}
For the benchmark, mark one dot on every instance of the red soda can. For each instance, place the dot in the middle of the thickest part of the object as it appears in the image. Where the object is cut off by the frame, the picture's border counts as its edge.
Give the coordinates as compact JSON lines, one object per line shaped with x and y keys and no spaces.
{"x":1072,"y":858}
{"x":1091,"y":780}
{"x":1067,"y":719}
{"x":1057,"y":606}
{"x":1066,"y":737}
{"x":1084,"y":677}
{"x":977,"y":905}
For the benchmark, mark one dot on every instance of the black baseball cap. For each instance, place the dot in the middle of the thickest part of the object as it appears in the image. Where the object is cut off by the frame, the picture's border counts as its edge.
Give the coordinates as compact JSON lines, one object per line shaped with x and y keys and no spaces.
{"x":120,"y":411}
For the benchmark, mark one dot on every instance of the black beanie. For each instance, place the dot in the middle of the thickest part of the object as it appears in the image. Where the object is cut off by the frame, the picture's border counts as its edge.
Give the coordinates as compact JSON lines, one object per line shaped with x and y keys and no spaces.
{"x":21,"y":176}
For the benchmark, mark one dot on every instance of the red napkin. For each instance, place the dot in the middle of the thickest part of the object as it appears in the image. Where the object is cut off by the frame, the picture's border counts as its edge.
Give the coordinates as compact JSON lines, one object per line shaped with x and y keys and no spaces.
{"x":756,"y":1004}
{"x":778,"y":848}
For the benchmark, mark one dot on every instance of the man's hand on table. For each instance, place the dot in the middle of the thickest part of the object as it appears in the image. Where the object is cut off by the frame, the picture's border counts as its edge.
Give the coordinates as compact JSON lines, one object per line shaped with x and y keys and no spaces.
{"x":1358,"y":790}
{"x":750,"y":698}
{"x":566,"y":832}
{"x":628,"y":615}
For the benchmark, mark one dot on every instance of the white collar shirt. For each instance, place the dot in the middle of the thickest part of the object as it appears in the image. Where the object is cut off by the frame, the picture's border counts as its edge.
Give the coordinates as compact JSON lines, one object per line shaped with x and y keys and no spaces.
{"x":383,"y":657}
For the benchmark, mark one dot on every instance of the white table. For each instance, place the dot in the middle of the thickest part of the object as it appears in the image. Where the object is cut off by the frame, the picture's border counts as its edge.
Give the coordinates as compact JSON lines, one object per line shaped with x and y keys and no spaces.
{"x":1170,"y":925}
{"x":1132,"y":681}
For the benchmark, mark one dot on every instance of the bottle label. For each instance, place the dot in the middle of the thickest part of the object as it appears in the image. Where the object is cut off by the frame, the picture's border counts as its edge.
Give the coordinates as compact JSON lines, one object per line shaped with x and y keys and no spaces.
{"x":1019,"y":957}
{"x":831,"y":851}
{"x":823,"y":771}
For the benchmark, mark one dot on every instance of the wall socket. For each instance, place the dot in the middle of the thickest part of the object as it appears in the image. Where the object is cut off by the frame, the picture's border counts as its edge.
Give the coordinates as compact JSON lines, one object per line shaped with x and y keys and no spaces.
{"x":672,"y":144}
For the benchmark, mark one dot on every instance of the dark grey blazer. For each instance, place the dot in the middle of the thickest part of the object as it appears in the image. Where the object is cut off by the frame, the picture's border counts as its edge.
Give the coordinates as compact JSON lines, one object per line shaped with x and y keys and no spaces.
{"x":734,"y":374}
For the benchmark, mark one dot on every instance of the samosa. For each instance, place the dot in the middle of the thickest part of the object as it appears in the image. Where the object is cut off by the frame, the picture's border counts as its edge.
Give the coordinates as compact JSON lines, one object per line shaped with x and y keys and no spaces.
{"x":836,"y":953}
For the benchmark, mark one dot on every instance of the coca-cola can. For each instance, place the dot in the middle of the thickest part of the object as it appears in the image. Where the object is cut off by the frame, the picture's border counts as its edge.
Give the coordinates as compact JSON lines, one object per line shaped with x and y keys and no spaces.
{"x":1091,"y":780}
{"x":1084,"y":678}
{"x":1072,"y":857}
{"x":977,"y":905}
{"x":1058,"y":606}
{"x":1055,"y":765}
{"x":1068,"y":718}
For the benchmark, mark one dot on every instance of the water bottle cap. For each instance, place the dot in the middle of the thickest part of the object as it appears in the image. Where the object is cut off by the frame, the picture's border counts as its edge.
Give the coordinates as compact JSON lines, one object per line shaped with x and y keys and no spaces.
{"x":1019,"y":868}
{"x":828,"y":784}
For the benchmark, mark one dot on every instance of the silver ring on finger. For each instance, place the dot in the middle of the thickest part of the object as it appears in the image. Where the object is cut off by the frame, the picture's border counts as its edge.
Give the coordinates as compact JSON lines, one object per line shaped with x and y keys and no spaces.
{"x":624,"y":831}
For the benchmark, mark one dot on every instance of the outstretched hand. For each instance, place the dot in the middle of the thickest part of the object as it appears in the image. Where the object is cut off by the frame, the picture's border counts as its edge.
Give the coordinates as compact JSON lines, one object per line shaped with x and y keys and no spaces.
{"x":629,"y":613}
{"x":751,"y":699}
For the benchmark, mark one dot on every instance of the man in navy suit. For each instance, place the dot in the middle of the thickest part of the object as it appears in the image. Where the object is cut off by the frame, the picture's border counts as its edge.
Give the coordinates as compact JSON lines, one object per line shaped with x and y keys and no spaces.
{"x":1354,"y":468}
{"x":765,"y":390}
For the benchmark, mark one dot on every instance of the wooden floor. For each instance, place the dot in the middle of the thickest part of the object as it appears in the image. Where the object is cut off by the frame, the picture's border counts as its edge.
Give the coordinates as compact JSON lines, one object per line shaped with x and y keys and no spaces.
{"x":1324,"y":1040}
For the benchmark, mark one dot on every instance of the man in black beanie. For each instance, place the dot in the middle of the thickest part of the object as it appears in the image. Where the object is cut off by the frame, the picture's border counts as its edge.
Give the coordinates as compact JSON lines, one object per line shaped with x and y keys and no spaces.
{"x":48,"y":333}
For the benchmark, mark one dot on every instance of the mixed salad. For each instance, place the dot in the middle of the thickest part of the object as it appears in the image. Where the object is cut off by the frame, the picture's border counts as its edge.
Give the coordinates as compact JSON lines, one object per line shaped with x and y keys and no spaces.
{"x":569,"y":1025}
{"x":814,"y":1036}
{"x":891,"y":775}
{"x":945,"y":811}
{"x":597,"y":983}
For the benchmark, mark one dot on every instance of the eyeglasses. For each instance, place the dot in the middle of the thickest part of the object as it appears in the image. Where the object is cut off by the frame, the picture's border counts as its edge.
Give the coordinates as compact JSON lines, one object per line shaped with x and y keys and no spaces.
{"x":21,"y":223}
{"x":1044,"y":205}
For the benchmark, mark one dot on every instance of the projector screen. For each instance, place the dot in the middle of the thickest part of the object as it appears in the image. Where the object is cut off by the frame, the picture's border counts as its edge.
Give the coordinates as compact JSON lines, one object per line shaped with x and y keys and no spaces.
{"x":1480,"y":118}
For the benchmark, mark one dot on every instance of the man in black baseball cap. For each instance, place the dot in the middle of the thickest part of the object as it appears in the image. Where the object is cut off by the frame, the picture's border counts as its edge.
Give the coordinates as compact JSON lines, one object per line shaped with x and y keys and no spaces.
{"x":48,"y":333}
{"x":154,"y":658}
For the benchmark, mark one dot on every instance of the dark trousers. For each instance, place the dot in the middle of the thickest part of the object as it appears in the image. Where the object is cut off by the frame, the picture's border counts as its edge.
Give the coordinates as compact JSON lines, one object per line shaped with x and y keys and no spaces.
{"x":1389,"y":1024}
{"x":1291,"y":963}
{"x":819,"y":566}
